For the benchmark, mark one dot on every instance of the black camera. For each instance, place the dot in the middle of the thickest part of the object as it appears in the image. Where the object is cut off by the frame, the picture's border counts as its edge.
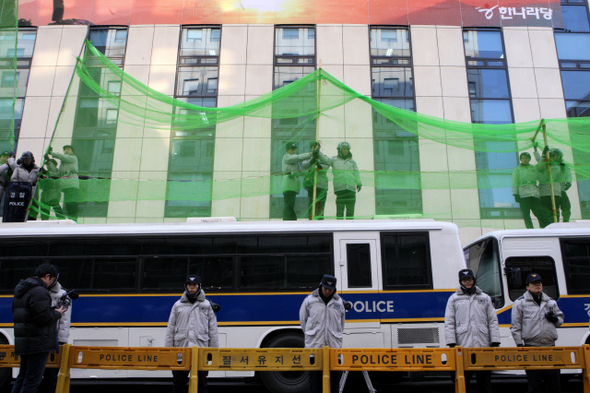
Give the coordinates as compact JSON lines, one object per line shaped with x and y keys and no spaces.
{"x":66,"y":299}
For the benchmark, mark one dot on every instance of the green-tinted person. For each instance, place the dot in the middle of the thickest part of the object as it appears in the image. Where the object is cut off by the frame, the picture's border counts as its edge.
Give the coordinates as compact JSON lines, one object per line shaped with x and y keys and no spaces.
{"x":526,"y":191}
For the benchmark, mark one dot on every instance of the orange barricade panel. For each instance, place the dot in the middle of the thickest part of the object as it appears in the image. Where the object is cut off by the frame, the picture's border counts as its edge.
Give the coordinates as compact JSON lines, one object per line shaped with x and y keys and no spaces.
{"x":265,"y":359}
{"x":522,"y":358}
{"x":9,"y":359}
{"x":135,"y":358}
{"x":415,"y":359}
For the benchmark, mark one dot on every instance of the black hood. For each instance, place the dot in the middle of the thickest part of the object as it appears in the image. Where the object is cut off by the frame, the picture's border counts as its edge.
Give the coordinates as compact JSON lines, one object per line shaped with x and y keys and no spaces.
{"x":25,"y":286}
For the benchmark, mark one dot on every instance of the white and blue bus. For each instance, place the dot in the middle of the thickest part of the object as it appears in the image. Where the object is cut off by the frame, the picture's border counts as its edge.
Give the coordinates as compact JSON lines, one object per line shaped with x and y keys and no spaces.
{"x":560,"y":253}
{"x":397,"y":274}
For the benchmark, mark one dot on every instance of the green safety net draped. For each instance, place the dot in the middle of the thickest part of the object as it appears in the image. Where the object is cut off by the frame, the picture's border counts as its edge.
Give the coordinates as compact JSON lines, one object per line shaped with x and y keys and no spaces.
{"x":144,"y":154}
{"x":8,"y":75}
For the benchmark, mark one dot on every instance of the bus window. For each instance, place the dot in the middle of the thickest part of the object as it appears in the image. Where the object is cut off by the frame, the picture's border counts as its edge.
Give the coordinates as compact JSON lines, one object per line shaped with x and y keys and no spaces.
{"x":545,"y":266}
{"x":576,"y":264}
{"x":483,"y":259}
{"x":358,"y":257}
{"x":406,"y":261}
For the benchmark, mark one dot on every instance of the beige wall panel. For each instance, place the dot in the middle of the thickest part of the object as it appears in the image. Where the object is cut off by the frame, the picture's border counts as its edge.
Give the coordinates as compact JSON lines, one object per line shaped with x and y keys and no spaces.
{"x":358,"y":120}
{"x":256,"y":156}
{"x":47,"y":46}
{"x":451,"y":52}
{"x":258,"y":79}
{"x":465,"y":203}
{"x":549,"y":83}
{"x":356,"y":45}
{"x":232,"y":80}
{"x":552,"y":108}
{"x":225,"y":207}
{"x":543,"y":47}
{"x":72,"y":41}
{"x":468,"y":230}
{"x":162,"y":79}
{"x":234,"y":38}
{"x":329,"y":45}
{"x":127,"y":155}
{"x":331,"y":125}
{"x":517,"y":47}
{"x":525,"y":109}
{"x":228,"y":154}
{"x":425,"y":45}
{"x":522,"y":82}
{"x":155,"y":153}
{"x":165,"y":45}
{"x":454,"y":82}
{"x":427,"y":82}
{"x":259,"y":48}
{"x":35,"y":117}
{"x":139,"y":72}
{"x":358,"y":78}
{"x":257,"y":208}
{"x":257,"y":127}
{"x":139,"y":45}
{"x":40,"y":81}
{"x":63,"y":76}
{"x":457,"y":108}
{"x":437,"y":204}
{"x":337,"y":71}
{"x":121,"y":211}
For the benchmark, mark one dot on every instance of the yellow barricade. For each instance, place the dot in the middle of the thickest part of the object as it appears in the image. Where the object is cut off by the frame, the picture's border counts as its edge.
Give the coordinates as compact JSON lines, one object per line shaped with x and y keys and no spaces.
{"x":266,"y":359}
{"x":415,"y":359}
{"x":9,"y":359}
{"x":523,"y":358}
{"x":135,"y":358}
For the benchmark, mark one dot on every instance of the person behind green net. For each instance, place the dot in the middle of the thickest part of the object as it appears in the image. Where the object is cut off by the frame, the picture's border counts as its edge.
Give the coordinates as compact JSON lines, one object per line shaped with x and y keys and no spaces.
{"x":566,"y":183}
{"x":526,"y":191}
{"x":347,"y":180}
{"x":291,"y":183}
{"x":68,"y":182}
{"x":316,"y":176}
{"x":549,"y":172}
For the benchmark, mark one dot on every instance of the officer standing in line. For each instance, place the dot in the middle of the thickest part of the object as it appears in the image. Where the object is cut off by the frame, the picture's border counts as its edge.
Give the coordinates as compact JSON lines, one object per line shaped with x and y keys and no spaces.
{"x":322,"y":316}
{"x":535,"y":319}
{"x":192,"y":323}
{"x":471,"y":321}
{"x":7,"y":166}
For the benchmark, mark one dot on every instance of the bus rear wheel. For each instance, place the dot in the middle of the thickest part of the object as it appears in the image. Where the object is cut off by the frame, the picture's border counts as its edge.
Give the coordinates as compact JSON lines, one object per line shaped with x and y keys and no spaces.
{"x":5,"y":373}
{"x":286,"y":381}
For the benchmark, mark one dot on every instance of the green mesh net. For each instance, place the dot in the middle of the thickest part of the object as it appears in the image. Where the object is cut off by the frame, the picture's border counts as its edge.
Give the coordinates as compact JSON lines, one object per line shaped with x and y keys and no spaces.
{"x":9,"y":82}
{"x":144,"y":154}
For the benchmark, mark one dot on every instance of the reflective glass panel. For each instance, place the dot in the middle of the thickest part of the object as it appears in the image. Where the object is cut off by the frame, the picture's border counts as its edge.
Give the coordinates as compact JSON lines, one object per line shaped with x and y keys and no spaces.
{"x":483,"y":44}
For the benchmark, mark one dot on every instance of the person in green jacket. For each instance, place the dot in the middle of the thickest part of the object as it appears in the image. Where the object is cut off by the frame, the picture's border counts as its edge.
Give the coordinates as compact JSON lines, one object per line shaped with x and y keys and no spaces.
{"x":526,"y":191}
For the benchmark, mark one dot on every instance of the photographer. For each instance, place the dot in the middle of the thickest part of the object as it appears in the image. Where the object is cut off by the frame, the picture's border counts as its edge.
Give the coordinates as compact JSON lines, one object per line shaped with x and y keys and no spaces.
{"x":59,"y":298}
{"x":535,"y":319}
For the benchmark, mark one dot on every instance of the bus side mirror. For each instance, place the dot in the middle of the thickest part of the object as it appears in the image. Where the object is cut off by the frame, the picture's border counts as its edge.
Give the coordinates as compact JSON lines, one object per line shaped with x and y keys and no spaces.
{"x":514,"y":276}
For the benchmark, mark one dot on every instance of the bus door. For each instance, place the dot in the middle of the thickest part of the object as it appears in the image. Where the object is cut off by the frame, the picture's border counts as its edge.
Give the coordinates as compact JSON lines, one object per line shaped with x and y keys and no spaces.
{"x":358,"y":271}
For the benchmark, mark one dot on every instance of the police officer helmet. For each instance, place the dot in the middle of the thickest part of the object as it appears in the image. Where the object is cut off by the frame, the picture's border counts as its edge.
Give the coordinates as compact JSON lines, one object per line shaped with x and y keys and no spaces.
{"x":27,"y":154}
{"x":343,"y":145}
{"x":557,"y":153}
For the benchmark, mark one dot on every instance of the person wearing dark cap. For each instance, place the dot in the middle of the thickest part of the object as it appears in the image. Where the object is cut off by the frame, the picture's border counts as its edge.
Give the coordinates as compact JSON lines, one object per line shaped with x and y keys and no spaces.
{"x":68,"y":182}
{"x":535,"y":319}
{"x":316,"y":177}
{"x":35,"y":324}
{"x":471,"y":321}
{"x":291,"y":184}
{"x":526,"y":192}
{"x":7,"y":166}
{"x":192,"y":323}
{"x":322,"y":316}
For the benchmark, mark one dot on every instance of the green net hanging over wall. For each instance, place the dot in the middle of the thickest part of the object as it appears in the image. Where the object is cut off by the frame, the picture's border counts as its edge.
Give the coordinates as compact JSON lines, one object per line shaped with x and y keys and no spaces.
{"x":144,"y":155}
{"x":8,"y":72}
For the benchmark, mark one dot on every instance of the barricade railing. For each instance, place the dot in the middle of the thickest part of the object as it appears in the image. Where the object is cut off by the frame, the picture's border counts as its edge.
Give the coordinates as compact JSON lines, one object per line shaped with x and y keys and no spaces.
{"x":458,"y":360}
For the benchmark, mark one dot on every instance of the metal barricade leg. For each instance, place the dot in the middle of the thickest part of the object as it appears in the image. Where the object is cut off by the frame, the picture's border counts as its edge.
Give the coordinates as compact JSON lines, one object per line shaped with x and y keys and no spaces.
{"x":368,"y":382}
{"x":343,"y":381}
{"x":63,"y":378}
{"x":193,"y":382}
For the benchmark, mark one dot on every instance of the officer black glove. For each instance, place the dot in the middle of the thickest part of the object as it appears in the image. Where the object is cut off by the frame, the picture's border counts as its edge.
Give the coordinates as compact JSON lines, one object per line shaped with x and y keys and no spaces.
{"x":568,"y":186}
{"x":517,"y":198}
{"x":316,"y":154}
{"x":494,"y":344}
{"x":358,"y":188}
{"x":520,"y":345}
{"x":551,"y":317}
{"x":545,"y":150}
{"x":452,"y":345}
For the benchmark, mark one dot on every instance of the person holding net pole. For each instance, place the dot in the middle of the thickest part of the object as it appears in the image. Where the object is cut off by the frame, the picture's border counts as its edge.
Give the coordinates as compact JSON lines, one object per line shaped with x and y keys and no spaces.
{"x":315,"y":183}
{"x":549,"y":184}
{"x":526,"y":192}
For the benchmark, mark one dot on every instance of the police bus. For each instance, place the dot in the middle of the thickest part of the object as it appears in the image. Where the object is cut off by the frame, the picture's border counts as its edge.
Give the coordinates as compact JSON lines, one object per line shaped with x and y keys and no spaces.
{"x":398,"y":275}
{"x":560,"y":253}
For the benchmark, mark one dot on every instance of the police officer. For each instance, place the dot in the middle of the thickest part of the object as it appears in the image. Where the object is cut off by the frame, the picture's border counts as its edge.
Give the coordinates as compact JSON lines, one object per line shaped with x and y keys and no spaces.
{"x":526,"y":192}
{"x":7,"y":166}
{"x":192,"y":323}
{"x":291,"y":183}
{"x":471,"y":321}
{"x":535,"y":319}
{"x":322,"y":317}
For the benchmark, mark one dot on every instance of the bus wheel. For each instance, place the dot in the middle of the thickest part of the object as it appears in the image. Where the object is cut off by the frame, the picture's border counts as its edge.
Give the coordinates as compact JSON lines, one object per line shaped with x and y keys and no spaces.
{"x":5,"y":373}
{"x":286,"y":381}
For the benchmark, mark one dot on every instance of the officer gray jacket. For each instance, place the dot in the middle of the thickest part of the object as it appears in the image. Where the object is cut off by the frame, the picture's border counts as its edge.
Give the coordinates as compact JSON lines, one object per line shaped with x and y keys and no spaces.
{"x":545,"y":177}
{"x":21,"y":174}
{"x":524,"y":181}
{"x":471,"y":320}
{"x":63,"y":325}
{"x":529,"y":325}
{"x":192,"y":324}
{"x":68,"y":170}
{"x":322,"y":176}
{"x":322,"y":324}
{"x":292,"y":171}
{"x":10,"y":164}
{"x":345,"y":171}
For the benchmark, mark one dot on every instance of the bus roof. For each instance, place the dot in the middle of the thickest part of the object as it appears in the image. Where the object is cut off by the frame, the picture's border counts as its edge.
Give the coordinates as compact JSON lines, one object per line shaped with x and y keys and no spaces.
{"x":66,"y":227}
{"x":576,"y":228}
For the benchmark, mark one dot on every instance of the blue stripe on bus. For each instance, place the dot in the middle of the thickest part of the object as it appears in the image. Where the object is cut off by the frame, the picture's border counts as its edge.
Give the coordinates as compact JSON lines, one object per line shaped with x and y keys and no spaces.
{"x":252,"y":308}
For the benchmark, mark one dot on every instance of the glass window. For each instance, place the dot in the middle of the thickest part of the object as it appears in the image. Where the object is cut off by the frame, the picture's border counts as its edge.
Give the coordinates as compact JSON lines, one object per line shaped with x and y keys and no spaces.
{"x":392,"y":82}
{"x":572,"y":46}
{"x":358,"y":257}
{"x":487,"y":83}
{"x":576,"y":84}
{"x":295,"y":41}
{"x":575,"y":18}
{"x":518,"y":268}
{"x":484,"y":260}
{"x":406,"y":260}
{"x":390,"y":42}
{"x":483,"y":44}
{"x":110,"y":41}
{"x":198,"y":41}
{"x":576,"y":264}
